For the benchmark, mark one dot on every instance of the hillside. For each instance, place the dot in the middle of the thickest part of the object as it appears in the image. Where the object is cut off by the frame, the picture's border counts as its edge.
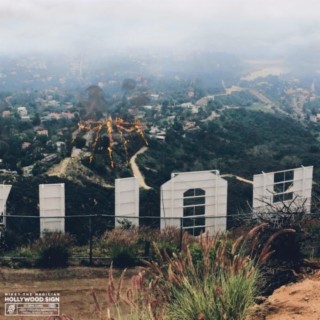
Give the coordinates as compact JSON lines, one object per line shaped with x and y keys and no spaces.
{"x":73,"y":170}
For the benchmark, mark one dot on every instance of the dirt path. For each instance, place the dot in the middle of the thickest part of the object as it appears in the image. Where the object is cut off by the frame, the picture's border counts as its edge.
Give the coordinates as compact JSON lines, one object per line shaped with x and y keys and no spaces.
{"x":60,"y":168}
{"x":237,"y":177}
{"x":74,"y":285}
{"x":265,"y":100}
{"x":136,"y":171}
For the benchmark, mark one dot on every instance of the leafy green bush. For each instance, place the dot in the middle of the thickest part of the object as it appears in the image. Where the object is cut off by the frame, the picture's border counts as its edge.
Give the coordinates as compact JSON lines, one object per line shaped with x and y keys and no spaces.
{"x":53,"y":250}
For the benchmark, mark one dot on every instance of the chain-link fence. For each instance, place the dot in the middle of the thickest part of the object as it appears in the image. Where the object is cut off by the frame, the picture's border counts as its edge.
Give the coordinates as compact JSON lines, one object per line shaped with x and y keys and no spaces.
{"x":95,"y":237}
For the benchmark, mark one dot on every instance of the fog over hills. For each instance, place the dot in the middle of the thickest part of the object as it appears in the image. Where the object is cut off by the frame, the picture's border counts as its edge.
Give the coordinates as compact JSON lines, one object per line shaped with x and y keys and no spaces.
{"x":285,"y":30}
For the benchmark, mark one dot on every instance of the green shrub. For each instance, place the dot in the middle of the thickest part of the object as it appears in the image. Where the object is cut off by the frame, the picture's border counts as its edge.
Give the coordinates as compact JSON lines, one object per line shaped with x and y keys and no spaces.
{"x":313,"y":228}
{"x":196,"y":252}
{"x":11,"y":240}
{"x":53,"y":250}
{"x":168,"y":241}
{"x":23,"y":257}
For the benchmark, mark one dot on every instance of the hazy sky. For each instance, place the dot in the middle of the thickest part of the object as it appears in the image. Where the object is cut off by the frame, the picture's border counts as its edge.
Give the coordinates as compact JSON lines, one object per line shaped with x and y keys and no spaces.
{"x":101,"y":26}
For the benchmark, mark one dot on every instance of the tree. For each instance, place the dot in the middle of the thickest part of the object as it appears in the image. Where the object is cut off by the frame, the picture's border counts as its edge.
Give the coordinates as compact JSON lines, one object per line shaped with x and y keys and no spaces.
{"x":79,"y":142}
{"x":36,"y":120}
{"x":42,"y":138}
{"x":4,"y":147}
{"x":128,"y":85}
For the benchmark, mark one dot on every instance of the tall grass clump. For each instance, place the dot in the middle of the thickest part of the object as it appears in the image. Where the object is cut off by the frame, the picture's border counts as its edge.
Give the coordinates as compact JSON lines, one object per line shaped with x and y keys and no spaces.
{"x":220,"y":282}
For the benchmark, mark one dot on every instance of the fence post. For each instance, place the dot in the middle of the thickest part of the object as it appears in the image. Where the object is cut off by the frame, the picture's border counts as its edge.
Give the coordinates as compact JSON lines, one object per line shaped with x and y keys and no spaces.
{"x":181,"y":233}
{"x":90,"y":239}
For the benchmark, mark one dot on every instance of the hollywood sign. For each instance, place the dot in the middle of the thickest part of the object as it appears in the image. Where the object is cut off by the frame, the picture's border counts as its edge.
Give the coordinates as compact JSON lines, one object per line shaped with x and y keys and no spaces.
{"x":52,"y":206}
{"x":195,"y":201}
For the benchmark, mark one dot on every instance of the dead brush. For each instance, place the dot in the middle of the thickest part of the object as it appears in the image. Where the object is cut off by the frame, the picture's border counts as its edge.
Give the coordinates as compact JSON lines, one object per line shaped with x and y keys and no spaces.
{"x":142,"y":300}
{"x":122,"y":246}
{"x":120,"y":236}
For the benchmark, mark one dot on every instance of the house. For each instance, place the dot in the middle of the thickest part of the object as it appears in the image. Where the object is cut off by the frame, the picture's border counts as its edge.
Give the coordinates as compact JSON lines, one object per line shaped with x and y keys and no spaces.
{"x":6,"y":114}
{"x":22,"y":111}
{"x":55,"y":116}
{"x":61,"y":146}
{"x":25,"y":118}
{"x":42,"y":132}
{"x":189,"y":105}
{"x":68,"y":115}
{"x":154,"y":96}
{"x":25,"y":145}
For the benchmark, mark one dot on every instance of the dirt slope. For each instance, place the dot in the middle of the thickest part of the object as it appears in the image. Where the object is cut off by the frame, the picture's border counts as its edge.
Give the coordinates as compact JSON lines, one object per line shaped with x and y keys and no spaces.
{"x":299,"y":301}
{"x":73,"y":169}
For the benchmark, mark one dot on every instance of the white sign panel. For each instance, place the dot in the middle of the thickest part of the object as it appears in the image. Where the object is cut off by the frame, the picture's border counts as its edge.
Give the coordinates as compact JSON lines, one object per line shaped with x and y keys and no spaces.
{"x":197,"y":200}
{"x":282,"y":187}
{"x":127,"y":200}
{"x":4,"y":193}
{"x":52,"y":206}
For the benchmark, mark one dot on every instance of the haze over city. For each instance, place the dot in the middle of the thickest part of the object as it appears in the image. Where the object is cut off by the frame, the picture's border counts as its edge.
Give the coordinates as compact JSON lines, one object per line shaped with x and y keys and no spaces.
{"x":277,"y":29}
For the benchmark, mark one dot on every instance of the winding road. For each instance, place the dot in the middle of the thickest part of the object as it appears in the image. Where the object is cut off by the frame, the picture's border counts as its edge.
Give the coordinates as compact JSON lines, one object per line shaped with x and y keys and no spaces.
{"x":136,"y":171}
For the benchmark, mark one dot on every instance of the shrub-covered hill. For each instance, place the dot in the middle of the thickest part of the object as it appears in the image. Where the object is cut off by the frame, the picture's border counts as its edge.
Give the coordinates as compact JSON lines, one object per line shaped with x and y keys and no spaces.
{"x":79,"y":200}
